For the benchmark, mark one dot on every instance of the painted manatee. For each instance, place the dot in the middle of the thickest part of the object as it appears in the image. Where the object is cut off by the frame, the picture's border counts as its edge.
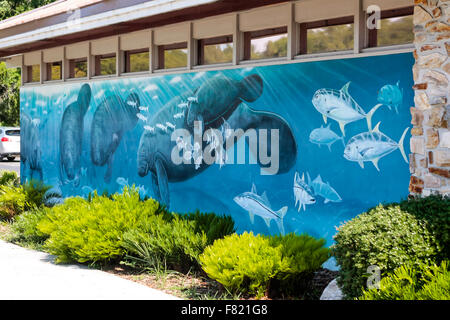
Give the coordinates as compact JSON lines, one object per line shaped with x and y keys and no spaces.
{"x":111,"y":120}
{"x":71,"y":136}
{"x":212,"y":103}
{"x":30,"y":148}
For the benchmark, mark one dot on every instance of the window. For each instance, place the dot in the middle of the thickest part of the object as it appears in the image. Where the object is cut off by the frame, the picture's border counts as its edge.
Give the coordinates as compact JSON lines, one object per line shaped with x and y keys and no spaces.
{"x":13,"y":133}
{"x":105,"y":65}
{"x":54,"y":71}
{"x":396,"y":28}
{"x":78,"y":68}
{"x":215,"y":50}
{"x":265,"y":44}
{"x":34,"y":73}
{"x":172,"y":56}
{"x":327,"y":36}
{"x":137,"y":60}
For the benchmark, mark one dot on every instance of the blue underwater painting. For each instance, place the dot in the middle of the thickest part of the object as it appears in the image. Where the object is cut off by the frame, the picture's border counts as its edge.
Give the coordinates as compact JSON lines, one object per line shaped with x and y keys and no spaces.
{"x":299,"y":147}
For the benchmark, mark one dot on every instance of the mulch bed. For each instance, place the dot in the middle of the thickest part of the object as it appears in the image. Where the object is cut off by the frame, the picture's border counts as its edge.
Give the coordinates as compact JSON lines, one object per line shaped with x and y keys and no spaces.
{"x":196,"y":286}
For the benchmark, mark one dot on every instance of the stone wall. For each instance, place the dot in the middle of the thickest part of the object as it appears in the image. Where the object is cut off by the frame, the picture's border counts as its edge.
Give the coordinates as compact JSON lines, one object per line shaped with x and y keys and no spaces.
{"x":430,"y":141}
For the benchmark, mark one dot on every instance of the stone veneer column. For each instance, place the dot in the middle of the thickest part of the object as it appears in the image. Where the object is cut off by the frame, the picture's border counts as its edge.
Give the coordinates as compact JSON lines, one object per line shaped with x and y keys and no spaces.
{"x":430,"y":141}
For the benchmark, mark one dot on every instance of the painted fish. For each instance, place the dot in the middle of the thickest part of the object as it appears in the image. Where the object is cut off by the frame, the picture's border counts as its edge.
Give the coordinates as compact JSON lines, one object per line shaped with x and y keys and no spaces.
{"x":260,"y":206}
{"x":391,"y":96}
{"x":122,"y":181}
{"x":143,"y":108}
{"x":193,"y":99}
{"x":141,"y":116}
{"x":170,"y":125}
{"x":183,"y":105}
{"x":149,"y":128}
{"x":325,"y":136}
{"x":162,"y":127}
{"x":302,"y":192}
{"x":324,"y":190}
{"x":371,"y":146}
{"x":341,"y":107}
{"x":178,"y":115}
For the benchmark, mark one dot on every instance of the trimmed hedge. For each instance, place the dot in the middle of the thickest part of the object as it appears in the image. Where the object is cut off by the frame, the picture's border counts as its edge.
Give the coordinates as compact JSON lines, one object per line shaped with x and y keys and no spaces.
{"x":389,"y":236}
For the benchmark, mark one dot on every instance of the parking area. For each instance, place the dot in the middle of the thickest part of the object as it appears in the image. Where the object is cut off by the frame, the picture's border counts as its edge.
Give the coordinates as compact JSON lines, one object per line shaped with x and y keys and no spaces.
{"x":11,"y":165}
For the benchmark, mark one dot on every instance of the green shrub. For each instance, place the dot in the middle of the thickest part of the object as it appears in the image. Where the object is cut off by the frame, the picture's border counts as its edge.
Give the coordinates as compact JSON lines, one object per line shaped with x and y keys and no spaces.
{"x":12,"y":201}
{"x":92,"y":231}
{"x":384,"y":236}
{"x":243,"y":263}
{"x":214,"y":226}
{"x":304,"y":255}
{"x":419,"y":283}
{"x":34,"y":193}
{"x":169,"y":243}
{"x":17,"y":199}
{"x":434,"y":210}
{"x":9,"y":178}
{"x":25,"y":227}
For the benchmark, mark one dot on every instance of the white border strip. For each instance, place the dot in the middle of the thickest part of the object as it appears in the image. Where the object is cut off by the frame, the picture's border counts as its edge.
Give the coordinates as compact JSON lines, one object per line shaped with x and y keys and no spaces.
{"x":143,"y":10}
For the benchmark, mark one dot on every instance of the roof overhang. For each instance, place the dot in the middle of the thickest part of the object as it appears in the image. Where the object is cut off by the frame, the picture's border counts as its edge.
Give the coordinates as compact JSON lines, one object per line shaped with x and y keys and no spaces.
{"x":60,"y":27}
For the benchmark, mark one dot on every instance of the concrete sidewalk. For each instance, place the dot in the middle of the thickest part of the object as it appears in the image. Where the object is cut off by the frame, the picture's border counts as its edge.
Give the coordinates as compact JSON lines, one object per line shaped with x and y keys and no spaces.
{"x":32,"y":275}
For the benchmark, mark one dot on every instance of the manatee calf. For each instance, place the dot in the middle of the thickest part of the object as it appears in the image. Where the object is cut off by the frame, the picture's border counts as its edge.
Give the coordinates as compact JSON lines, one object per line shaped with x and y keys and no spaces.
{"x":71,"y":136}
{"x":215,"y":101}
{"x":112,"y":119}
{"x":30,"y":147}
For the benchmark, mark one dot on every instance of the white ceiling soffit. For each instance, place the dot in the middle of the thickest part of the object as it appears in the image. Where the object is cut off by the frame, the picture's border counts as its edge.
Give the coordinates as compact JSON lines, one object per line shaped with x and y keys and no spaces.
{"x":112,"y":17}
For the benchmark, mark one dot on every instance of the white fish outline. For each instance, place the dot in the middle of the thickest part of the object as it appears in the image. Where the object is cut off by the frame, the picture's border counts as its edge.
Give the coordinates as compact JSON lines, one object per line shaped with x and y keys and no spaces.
{"x":372,"y":146}
{"x":325,"y":190}
{"x":141,"y":117}
{"x":325,"y":136}
{"x":260,"y":206}
{"x":341,"y":107}
{"x":303,"y":193}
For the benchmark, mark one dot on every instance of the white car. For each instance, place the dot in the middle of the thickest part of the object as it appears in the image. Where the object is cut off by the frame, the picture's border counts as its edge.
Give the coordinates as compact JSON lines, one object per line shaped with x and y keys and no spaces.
{"x":9,"y":143}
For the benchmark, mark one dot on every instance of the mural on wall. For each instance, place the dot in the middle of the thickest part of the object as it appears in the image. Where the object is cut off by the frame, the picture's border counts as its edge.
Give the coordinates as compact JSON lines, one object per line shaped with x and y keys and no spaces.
{"x":280,"y":148}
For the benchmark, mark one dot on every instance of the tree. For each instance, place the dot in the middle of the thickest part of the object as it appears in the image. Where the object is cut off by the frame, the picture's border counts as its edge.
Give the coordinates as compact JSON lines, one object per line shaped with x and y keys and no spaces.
{"x":10,"y":8}
{"x":10,"y":79}
{"x":9,"y":96}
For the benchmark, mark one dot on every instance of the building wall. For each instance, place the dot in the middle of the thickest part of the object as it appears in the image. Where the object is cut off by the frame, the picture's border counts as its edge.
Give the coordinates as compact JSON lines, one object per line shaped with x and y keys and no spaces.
{"x":340,"y":151}
{"x":430,"y":143}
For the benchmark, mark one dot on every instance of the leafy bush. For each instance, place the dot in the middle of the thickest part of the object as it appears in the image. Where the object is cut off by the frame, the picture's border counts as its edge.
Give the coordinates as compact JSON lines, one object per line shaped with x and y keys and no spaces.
{"x":214,"y":226}
{"x":171,"y":243}
{"x":92,"y":231}
{"x":12,"y":201}
{"x":243,"y":263}
{"x":434,"y":210}
{"x":34,"y":192}
{"x":388,"y":237}
{"x":304,"y":255}
{"x":9,"y":178}
{"x":407,"y":283}
{"x":25,"y":227}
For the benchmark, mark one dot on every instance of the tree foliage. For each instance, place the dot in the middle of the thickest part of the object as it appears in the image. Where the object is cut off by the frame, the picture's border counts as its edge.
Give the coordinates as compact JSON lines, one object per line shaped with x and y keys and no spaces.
{"x":9,"y":95}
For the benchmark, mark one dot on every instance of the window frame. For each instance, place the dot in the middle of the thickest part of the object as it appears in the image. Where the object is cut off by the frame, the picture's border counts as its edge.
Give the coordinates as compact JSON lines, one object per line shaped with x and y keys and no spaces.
{"x":201,"y":43}
{"x":30,"y":73}
{"x":372,"y":34}
{"x":305,"y":26}
{"x":173,"y":46}
{"x":258,"y":34}
{"x":71,"y":65}
{"x":49,"y":66}
{"x":97,"y":64}
{"x":127,"y":60}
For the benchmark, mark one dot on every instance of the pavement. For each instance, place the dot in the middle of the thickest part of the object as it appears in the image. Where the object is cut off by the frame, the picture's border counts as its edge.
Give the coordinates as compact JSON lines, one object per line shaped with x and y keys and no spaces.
{"x":10,"y":166}
{"x":32,"y":275}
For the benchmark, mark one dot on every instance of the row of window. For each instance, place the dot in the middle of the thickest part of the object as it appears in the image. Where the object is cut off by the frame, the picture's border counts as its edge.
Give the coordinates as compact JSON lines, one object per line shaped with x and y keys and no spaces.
{"x":315,"y":37}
